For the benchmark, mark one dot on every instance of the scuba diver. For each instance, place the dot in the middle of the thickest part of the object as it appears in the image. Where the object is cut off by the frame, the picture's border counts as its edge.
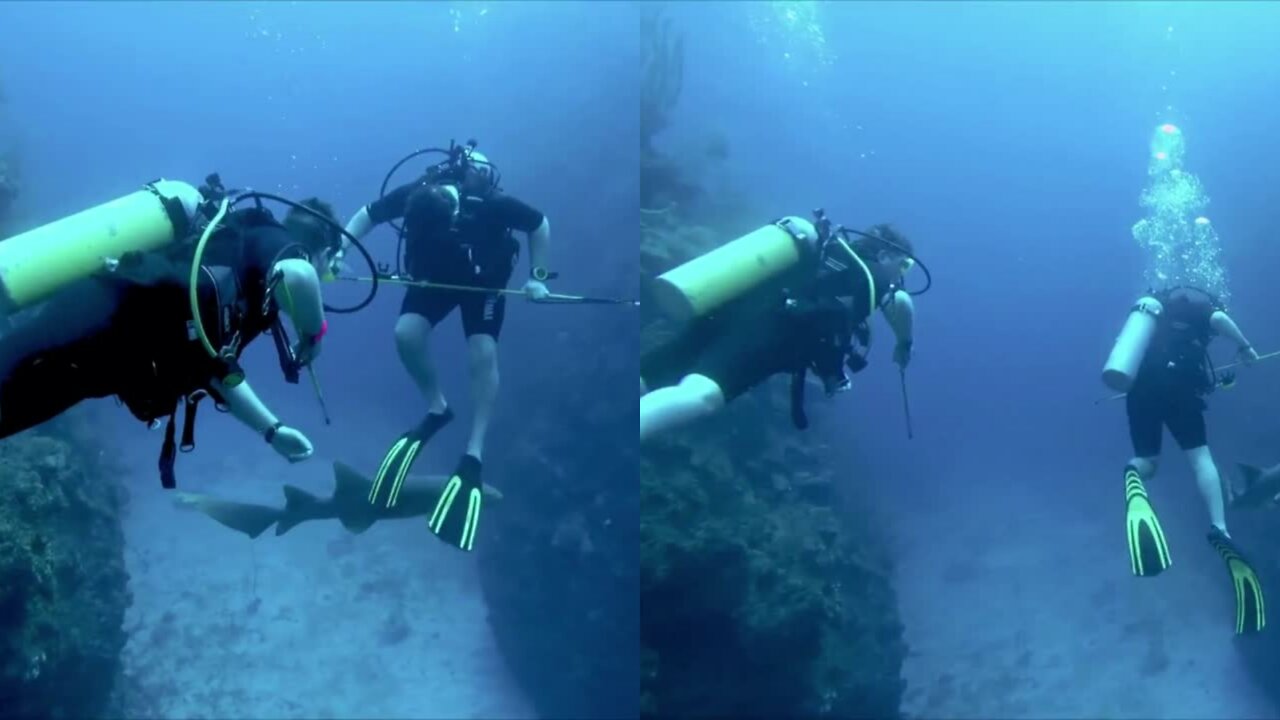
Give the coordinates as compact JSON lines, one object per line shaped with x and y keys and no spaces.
{"x":457,"y":233}
{"x":127,"y":302}
{"x":1160,"y":359}
{"x":790,"y":297}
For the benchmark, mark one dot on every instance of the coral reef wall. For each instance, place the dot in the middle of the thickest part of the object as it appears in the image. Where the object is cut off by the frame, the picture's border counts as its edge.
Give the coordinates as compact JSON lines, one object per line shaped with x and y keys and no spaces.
{"x":63,"y":585}
{"x":559,"y":566}
{"x":758,"y":598}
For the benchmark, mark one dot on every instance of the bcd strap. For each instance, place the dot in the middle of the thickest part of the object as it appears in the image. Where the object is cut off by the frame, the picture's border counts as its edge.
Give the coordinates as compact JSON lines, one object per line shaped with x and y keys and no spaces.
{"x":288,"y":364}
{"x":169,"y":450}
{"x":175,"y":211}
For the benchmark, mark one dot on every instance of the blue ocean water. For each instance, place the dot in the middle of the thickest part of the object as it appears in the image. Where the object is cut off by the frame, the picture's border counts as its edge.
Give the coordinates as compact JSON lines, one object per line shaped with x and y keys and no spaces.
{"x":1011,"y":142}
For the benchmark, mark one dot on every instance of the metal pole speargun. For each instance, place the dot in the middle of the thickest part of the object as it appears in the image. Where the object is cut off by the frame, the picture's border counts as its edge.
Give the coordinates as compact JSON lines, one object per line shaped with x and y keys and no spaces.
{"x":906,"y":405}
{"x":315,"y":383}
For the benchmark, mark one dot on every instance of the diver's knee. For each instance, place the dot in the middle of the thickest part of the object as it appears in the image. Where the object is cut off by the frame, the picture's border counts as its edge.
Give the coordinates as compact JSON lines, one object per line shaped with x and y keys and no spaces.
{"x":705,"y":391}
{"x":1201,"y":460}
{"x":412,"y":332}
{"x":482,"y":353}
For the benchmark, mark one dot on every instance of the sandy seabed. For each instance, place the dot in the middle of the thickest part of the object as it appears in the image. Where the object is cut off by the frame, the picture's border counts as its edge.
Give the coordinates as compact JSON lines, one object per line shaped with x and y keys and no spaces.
{"x":1039,"y":616}
{"x":318,"y":623}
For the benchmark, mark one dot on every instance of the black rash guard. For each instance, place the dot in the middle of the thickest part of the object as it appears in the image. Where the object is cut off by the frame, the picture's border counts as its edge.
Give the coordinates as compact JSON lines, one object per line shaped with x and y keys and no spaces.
{"x":105,"y":336}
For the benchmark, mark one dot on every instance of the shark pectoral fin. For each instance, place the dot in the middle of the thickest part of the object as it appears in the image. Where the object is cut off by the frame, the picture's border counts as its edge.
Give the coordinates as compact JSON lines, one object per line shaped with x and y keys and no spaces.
{"x":357,"y":524}
{"x":296,"y":502}
{"x":252,"y":520}
{"x":295,"y":498}
{"x":492,"y":493}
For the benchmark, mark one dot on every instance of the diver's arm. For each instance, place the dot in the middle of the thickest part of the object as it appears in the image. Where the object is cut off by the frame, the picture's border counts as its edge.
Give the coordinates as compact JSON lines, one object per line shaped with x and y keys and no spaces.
{"x":359,"y":225}
{"x":1224,"y":325}
{"x":244,"y":404}
{"x":900,"y":312}
{"x":540,"y":243}
{"x":299,"y":296}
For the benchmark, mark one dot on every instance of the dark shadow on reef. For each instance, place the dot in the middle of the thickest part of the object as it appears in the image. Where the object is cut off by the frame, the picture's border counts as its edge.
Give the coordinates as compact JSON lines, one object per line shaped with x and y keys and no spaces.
{"x":559,"y":563}
{"x":758,"y":598}
{"x":63,"y":585}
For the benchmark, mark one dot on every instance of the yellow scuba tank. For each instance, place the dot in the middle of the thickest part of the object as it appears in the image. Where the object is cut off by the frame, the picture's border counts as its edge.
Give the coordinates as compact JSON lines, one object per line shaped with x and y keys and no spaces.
{"x":39,"y":262}
{"x":709,"y":281}
{"x":1131,"y":345}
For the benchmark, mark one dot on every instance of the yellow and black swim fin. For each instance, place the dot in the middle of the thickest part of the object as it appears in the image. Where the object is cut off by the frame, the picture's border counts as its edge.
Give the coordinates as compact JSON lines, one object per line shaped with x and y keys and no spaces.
{"x":395,"y":466}
{"x":457,"y":512}
{"x":1251,"y":607}
{"x":1148,"y":551}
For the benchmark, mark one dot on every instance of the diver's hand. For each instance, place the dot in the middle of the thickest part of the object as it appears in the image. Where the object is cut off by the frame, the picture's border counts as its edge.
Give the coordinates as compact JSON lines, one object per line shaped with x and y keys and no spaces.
{"x":836,"y":384}
{"x":1248,"y":355}
{"x":335,"y":266}
{"x":536,"y":290}
{"x":291,"y":444}
{"x":902,"y":354}
{"x":306,"y":350}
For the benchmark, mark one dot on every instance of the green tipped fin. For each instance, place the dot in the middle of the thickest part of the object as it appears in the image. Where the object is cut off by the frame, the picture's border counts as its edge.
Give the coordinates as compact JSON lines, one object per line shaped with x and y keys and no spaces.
{"x":1148,"y":549}
{"x":1251,"y":605}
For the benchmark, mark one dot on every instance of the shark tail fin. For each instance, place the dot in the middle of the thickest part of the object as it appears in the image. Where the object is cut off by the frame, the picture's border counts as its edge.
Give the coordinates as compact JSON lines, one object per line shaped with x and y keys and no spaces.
{"x":295,"y":499}
{"x":252,"y":520}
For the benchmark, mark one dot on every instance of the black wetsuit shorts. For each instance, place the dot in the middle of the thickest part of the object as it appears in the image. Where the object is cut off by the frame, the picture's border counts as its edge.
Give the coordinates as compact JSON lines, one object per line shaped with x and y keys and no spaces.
{"x":1153,"y":406}
{"x":735,"y":353}
{"x":482,"y":313}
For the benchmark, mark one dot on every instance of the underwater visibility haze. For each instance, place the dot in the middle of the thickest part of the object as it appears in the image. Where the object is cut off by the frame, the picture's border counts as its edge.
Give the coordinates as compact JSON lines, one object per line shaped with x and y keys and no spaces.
{"x":947,"y":538}
{"x":489,"y":572}
{"x":952,"y":324}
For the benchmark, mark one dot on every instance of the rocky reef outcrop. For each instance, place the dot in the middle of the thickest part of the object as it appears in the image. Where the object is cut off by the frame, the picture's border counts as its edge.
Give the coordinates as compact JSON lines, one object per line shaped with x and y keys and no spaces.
{"x":63,"y":585}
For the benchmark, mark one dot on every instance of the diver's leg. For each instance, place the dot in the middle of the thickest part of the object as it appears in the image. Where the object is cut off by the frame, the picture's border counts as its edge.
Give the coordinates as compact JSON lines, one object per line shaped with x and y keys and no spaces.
{"x":418,"y":314}
{"x":482,"y":317}
{"x":40,"y":388}
{"x":1145,"y":416}
{"x":76,"y":313}
{"x":1146,"y":466}
{"x":697,"y":396}
{"x":1148,"y":549}
{"x":1186,"y":423}
{"x":1210,"y":484}
{"x":482,"y":356}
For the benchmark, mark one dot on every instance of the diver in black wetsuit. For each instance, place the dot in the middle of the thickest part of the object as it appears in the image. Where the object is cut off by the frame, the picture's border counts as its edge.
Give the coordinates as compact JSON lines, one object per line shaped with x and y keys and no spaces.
{"x":458,"y":227}
{"x":127,"y":331}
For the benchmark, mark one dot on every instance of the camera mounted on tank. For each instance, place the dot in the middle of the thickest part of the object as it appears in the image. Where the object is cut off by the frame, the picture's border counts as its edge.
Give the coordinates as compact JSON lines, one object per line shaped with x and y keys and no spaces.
{"x":213,"y":192}
{"x":823,"y":225}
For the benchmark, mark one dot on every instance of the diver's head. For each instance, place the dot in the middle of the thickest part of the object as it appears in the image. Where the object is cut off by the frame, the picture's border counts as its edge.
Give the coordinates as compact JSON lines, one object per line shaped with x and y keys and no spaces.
{"x":479,"y":176}
{"x":321,"y":239}
{"x":430,"y":208}
{"x":885,"y":247}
